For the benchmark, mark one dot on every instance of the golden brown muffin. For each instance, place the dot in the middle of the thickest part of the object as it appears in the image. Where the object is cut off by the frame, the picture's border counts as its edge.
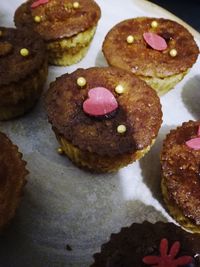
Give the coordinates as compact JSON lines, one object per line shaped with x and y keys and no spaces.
{"x":95,"y":142}
{"x":67,"y":26}
{"x":162,"y":70}
{"x":150,"y":245}
{"x":12,"y":179}
{"x":181,"y":175}
{"x":23,"y":71}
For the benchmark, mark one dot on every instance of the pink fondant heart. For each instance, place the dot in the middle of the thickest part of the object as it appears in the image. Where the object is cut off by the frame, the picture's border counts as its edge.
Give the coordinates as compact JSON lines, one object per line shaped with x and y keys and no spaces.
{"x":100,"y":102}
{"x":38,"y":3}
{"x":194,"y":143}
{"x":155,"y":41}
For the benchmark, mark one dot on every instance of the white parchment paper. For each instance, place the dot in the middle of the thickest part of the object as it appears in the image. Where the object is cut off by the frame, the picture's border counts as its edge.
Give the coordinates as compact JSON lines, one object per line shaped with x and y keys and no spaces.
{"x":64,"y":207}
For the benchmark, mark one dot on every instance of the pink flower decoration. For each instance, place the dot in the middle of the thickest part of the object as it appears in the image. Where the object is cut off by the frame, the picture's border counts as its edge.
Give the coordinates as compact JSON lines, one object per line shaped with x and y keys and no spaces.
{"x":155,"y":41}
{"x":38,"y":3}
{"x":194,"y":143}
{"x":167,"y":260}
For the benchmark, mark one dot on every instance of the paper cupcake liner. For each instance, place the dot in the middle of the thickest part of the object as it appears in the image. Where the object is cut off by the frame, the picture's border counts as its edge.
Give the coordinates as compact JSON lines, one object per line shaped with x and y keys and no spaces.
{"x":69,"y":51}
{"x":95,"y":162}
{"x":163,"y":85}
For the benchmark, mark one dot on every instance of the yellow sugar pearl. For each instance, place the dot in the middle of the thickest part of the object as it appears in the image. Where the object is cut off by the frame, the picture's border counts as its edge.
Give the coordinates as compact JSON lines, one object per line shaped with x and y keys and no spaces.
{"x":60,"y":151}
{"x":154,"y":24}
{"x":121,"y":129}
{"x":119,"y":89}
{"x":24,"y":52}
{"x":173,"y":53}
{"x":37,"y":19}
{"x":130,"y":39}
{"x":76,"y":5}
{"x":81,"y":81}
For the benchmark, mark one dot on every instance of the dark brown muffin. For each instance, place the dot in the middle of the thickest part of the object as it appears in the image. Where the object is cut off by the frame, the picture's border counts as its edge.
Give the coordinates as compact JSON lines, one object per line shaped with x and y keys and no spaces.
{"x":12,"y":179}
{"x":160,"y":245}
{"x":23,"y":71}
{"x":96,"y":142}
{"x":181,"y":175}
{"x":160,"y":69}
{"x":66,"y":26}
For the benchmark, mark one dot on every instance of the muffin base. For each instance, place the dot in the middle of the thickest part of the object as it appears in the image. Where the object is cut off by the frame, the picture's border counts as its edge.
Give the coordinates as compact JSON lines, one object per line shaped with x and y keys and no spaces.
{"x":97,"y":163}
{"x":68,"y":51}
{"x":17,"y":98}
{"x":163,"y":85}
{"x":177,"y":214}
{"x":12,"y":189}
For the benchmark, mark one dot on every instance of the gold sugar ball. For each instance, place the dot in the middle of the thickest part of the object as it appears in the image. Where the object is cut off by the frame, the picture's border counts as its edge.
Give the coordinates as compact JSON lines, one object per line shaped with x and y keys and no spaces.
{"x":76,"y":5}
{"x":121,"y":129}
{"x":154,"y":24}
{"x":37,"y":19}
{"x":130,"y":39}
{"x":173,"y":53}
{"x":81,"y":81}
{"x":24,"y":52}
{"x":119,"y":89}
{"x":60,"y":150}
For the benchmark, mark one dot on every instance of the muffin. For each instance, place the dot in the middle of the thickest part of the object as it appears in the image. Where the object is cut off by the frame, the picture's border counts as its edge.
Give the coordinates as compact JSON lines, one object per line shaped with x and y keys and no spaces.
{"x":157,"y":50}
{"x":66,"y":26}
{"x":104,"y":118}
{"x":160,"y":245}
{"x":23,"y":71}
{"x":12,"y":179}
{"x":180,"y":161}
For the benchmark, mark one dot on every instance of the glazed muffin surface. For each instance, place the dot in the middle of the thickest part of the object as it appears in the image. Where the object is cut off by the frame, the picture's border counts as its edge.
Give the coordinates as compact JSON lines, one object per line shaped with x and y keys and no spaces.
{"x":59,"y":18}
{"x":140,"y":58}
{"x":180,"y":176}
{"x":12,"y":179}
{"x":129,"y":247}
{"x":139,"y":110}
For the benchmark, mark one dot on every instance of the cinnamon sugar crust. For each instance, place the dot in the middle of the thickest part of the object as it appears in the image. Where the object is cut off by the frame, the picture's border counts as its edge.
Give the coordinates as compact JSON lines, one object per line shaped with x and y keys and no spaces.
{"x":12,"y":179}
{"x":139,"y":110}
{"x":131,"y":244}
{"x":181,"y":170}
{"x":140,"y":58}
{"x":13,"y":66}
{"x":59,"y":18}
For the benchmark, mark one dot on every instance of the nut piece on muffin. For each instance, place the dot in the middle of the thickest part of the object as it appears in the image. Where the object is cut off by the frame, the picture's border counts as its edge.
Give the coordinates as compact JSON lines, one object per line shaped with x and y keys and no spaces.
{"x":104,"y":118}
{"x":146,"y":244}
{"x":180,"y":161}
{"x":23,"y":71}
{"x":12,"y":179}
{"x":67,"y":26}
{"x":157,"y":50}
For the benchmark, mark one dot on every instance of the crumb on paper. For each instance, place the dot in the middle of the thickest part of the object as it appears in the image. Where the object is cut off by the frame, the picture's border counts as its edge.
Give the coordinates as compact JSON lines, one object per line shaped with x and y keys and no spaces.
{"x":68,"y":247}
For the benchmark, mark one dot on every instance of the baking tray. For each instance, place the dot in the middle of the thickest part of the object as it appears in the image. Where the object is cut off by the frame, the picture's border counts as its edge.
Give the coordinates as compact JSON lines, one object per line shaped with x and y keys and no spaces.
{"x":67,"y":213}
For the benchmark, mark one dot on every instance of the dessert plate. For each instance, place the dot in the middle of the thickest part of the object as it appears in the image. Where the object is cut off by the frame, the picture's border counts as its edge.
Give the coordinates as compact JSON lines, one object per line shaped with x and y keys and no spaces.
{"x":67,"y":213}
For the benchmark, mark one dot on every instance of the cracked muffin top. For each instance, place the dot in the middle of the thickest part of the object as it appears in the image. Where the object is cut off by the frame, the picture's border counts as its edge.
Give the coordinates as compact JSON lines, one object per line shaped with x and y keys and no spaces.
{"x":55,"y":19}
{"x":21,"y":54}
{"x":181,"y":169}
{"x":136,"y":55}
{"x":138,"y":109}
